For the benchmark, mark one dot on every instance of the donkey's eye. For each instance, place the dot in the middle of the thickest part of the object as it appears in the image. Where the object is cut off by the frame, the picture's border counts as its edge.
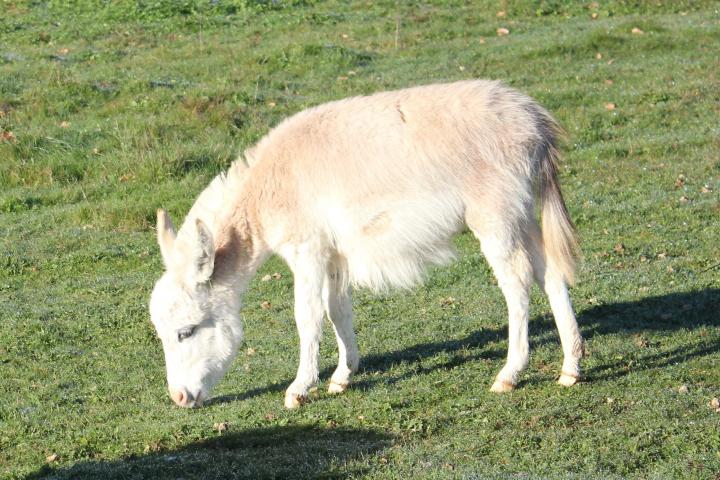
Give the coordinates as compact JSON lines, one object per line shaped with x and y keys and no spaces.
{"x":185,"y":332}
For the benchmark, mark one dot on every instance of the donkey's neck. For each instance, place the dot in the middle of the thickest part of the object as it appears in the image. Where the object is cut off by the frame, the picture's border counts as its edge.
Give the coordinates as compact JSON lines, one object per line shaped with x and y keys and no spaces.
{"x":239,"y":245}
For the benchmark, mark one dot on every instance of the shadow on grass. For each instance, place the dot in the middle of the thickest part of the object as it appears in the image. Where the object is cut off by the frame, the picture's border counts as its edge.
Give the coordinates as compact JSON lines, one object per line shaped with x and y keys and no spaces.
{"x":381,"y":363}
{"x":277,"y":452}
{"x":666,"y":313}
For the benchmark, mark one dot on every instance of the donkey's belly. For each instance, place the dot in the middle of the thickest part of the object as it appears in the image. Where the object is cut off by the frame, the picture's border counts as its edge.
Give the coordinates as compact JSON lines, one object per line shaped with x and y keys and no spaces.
{"x":390,"y":244}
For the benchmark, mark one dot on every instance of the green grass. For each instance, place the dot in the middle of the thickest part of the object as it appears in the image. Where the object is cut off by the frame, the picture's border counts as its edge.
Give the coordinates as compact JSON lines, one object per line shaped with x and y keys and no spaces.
{"x":117,"y":108}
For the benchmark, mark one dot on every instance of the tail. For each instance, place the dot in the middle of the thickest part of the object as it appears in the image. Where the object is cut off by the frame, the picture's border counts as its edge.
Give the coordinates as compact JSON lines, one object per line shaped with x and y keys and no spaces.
{"x":558,"y":232}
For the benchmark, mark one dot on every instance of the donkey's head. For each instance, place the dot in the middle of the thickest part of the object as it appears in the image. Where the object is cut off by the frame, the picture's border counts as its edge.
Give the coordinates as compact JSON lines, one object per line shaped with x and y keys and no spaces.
{"x":195,"y":317}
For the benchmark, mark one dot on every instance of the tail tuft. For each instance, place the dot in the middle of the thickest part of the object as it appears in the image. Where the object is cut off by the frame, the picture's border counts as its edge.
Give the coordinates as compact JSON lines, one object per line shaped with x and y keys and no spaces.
{"x":558,"y":232}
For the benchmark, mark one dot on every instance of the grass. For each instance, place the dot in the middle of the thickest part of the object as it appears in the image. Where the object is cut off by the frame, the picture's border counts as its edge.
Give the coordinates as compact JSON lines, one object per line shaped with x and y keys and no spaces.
{"x":112,"y":109}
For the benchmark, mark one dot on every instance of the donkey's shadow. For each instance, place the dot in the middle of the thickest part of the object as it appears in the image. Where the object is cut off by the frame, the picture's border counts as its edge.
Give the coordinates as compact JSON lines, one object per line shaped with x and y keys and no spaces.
{"x":290,"y":451}
{"x":689,"y":311}
{"x":664,"y":313}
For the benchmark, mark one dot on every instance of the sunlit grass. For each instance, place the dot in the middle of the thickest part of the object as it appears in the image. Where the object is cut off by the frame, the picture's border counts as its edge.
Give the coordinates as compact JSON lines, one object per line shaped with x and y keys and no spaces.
{"x":118,"y":108}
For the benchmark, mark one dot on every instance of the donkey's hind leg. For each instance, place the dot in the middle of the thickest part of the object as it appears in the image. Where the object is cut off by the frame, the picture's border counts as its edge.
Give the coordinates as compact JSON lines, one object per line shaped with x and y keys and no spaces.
{"x":338,"y":308}
{"x":554,"y":286}
{"x":504,"y":247}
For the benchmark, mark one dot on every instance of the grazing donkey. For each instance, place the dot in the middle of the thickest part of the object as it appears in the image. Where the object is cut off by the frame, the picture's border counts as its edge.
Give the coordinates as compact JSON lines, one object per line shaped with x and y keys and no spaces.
{"x":366,"y":191}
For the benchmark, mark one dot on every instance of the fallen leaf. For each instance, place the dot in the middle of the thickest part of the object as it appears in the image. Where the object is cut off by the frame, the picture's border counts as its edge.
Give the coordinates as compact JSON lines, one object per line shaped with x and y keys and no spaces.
{"x":715,"y":404}
{"x":684,"y":199}
{"x":610,"y":106}
{"x":270,"y":416}
{"x":641,"y":341}
{"x":266,"y":278}
{"x":594,"y":16}
{"x":598,"y":55}
{"x":461,"y":68}
{"x":500,"y":14}
{"x":276,"y":276}
{"x":52,"y":458}
{"x":153,"y":447}
{"x":608,"y":81}
{"x":352,"y":73}
{"x":7,"y":136}
{"x":64,"y":124}
{"x":221,"y":427}
{"x":683,"y":389}
{"x":662,"y":256}
{"x":482,"y":40}
{"x":610,"y":400}
{"x":706,"y":189}
{"x":63,"y":51}
{"x":344,"y":35}
{"x":265,"y":305}
{"x":502,"y":31}
{"x":680,"y":181}
{"x":619,"y":248}
{"x":250,"y":351}
{"x":636,"y":31}
{"x":447,"y":301}
{"x":342,"y":78}
{"x":271,"y":104}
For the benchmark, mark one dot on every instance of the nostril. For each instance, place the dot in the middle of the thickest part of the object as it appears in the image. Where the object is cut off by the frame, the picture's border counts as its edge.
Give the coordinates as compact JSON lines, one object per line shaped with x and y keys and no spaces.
{"x":180,"y":397}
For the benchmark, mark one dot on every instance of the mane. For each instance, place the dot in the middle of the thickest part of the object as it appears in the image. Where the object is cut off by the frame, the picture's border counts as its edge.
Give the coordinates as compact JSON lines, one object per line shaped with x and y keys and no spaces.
{"x":215,"y":196}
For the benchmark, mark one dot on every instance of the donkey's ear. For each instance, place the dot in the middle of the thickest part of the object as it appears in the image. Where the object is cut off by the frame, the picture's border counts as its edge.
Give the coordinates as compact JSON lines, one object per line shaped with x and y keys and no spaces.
{"x":166,"y":237}
{"x":202,"y":254}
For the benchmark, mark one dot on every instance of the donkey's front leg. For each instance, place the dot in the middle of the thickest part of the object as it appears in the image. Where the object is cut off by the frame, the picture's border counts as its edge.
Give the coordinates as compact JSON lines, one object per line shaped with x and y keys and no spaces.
{"x":309,"y":318}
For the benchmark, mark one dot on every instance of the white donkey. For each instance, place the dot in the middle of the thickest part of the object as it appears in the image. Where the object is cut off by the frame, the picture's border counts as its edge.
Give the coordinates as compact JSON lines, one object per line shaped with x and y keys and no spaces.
{"x":367,"y":191}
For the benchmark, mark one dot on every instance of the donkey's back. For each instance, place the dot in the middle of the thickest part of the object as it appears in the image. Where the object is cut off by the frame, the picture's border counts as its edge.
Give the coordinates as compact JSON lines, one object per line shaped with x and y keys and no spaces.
{"x":388,"y":179}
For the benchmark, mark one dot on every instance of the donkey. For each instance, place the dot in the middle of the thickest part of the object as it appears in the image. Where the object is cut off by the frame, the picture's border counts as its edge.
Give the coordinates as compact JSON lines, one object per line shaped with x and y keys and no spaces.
{"x":367,"y":192}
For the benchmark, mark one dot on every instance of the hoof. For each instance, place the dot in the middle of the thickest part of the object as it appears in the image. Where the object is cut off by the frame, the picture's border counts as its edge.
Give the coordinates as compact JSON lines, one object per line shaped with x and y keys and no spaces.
{"x":501,"y":386}
{"x":336,"y":388}
{"x":568,"y":380}
{"x":293,"y":400}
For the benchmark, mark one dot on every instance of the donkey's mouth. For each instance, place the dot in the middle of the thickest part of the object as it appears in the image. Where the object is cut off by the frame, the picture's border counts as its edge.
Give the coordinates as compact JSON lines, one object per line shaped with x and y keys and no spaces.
{"x":183,"y":398}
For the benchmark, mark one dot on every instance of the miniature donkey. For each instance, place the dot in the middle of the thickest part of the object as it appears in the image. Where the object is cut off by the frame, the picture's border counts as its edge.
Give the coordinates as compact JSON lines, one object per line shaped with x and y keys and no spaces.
{"x":366,"y":192}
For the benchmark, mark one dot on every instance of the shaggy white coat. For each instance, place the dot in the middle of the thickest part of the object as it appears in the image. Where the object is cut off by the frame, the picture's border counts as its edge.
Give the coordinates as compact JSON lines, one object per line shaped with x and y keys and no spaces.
{"x":367,"y":192}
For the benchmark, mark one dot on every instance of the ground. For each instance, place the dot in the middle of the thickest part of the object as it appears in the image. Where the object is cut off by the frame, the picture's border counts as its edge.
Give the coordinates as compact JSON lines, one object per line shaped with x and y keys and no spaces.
{"x":109,"y":110}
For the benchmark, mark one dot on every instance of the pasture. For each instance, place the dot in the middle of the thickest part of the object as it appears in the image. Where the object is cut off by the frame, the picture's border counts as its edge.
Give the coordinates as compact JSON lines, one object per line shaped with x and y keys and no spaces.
{"x":109,"y":110}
